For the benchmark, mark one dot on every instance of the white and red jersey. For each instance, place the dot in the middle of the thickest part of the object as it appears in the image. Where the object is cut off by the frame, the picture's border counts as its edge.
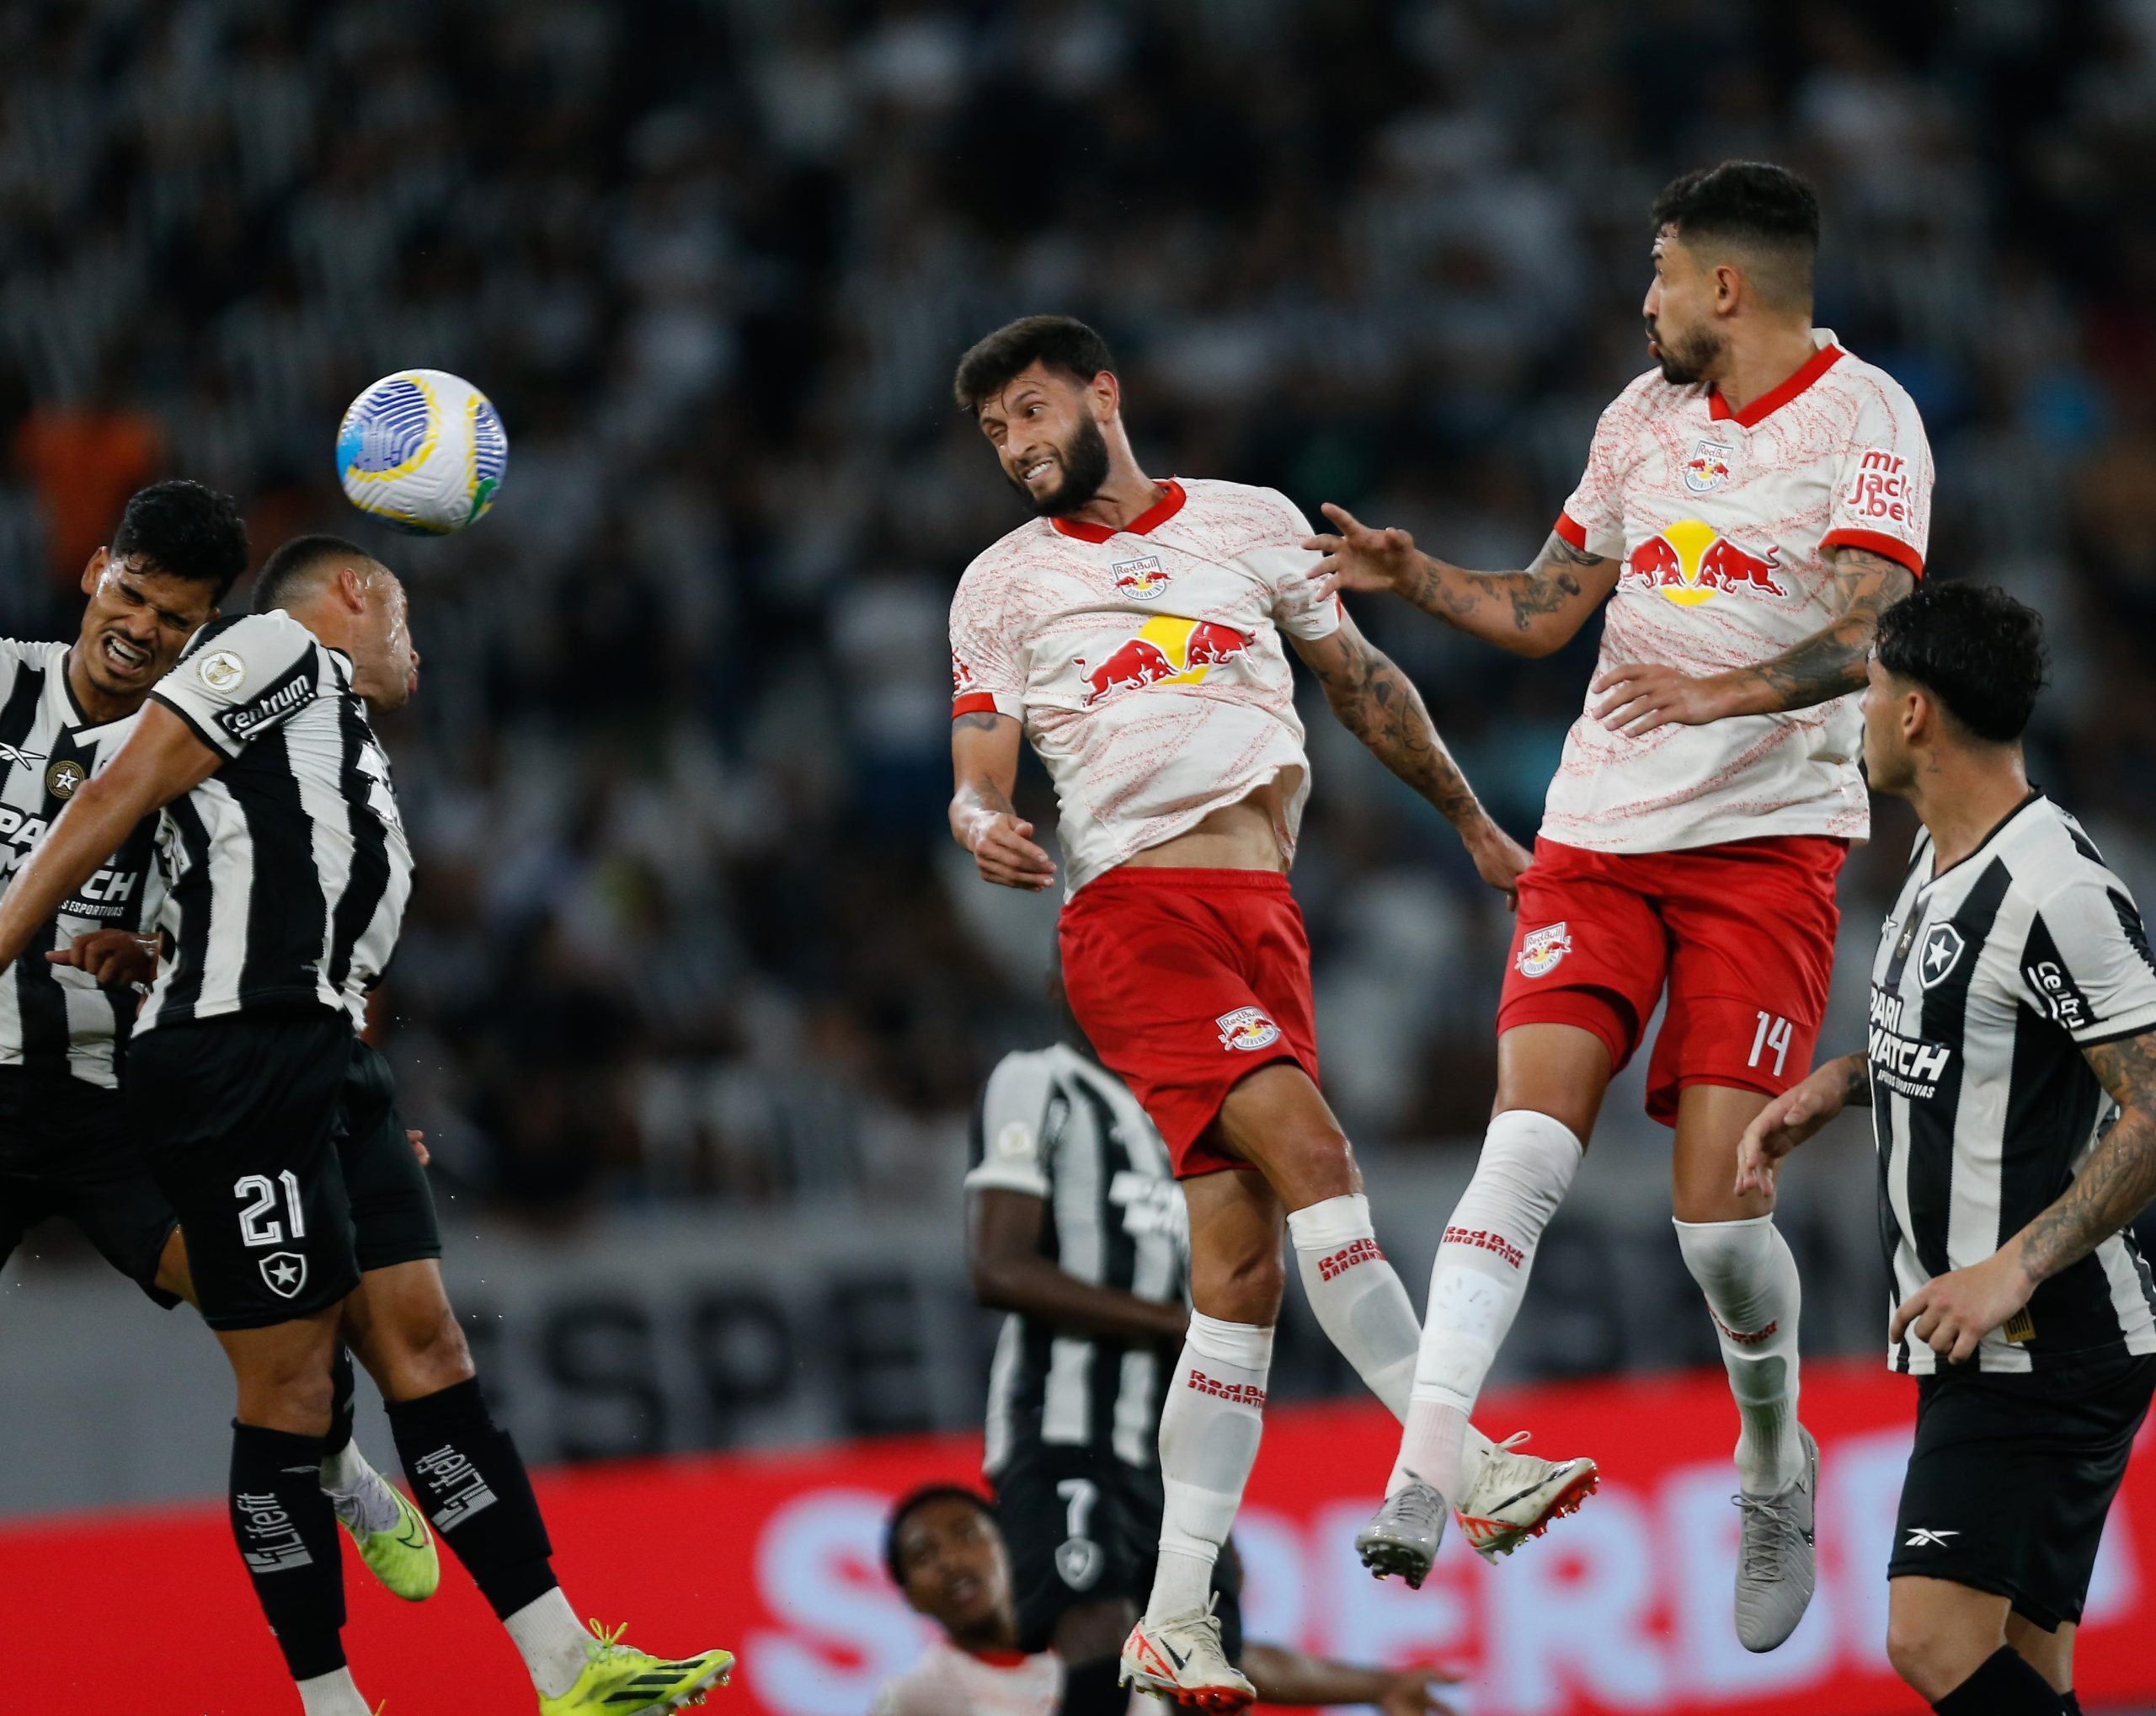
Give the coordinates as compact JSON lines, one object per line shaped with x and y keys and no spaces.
{"x":1146,"y":663}
{"x":1721,"y":519}
{"x":949,"y":1681}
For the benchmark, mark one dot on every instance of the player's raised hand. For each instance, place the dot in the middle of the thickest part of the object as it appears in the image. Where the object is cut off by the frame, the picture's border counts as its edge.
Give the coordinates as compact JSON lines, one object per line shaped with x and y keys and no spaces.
{"x":1785,"y":1122}
{"x":1953,"y":1312}
{"x":1500,"y":860}
{"x":417,"y":1140}
{"x":1360,"y":558}
{"x":1638,"y":696}
{"x":1005,"y":853}
{"x":113,"y":956}
{"x":1411,"y":1692}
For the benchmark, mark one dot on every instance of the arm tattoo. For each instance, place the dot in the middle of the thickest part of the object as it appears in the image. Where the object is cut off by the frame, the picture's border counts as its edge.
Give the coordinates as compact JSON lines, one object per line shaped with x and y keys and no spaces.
{"x":980,"y":721}
{"x":1856,"y":1082}
{"x":2119,"y":1178}
{"x":1831,"y":663}
{"x":1509,"y":607}
{"x":1377,"y":704}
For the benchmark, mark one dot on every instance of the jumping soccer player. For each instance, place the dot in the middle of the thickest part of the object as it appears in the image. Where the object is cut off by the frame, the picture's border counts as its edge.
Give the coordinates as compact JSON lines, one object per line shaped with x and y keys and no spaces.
{"x":1132,"y":633}
{"x":2011,"y":1076}
{"x":1749,"y":506}
{"x":946,"y":1553}
{"x":64,"y":1148}
{"x":287,"y":872}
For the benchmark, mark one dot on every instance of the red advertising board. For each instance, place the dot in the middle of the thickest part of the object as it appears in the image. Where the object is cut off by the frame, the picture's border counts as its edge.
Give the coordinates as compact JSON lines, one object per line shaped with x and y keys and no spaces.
{"x":1624,"y":1607}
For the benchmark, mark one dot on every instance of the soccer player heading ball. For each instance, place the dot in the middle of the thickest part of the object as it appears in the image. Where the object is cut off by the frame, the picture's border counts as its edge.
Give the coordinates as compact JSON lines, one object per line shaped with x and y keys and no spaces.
{"x":1750,"y":504}
{"x":1133,"y":632}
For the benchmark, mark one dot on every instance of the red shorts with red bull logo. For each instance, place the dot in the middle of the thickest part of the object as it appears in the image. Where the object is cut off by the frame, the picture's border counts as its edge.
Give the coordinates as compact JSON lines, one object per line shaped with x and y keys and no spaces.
{"x":1742,"y":934}
{"x":1186,"y":982}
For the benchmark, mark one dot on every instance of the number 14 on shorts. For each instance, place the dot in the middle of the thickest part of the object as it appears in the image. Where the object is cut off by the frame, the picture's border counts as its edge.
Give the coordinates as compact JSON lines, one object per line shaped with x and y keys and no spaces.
{"x":1773,"y":1036}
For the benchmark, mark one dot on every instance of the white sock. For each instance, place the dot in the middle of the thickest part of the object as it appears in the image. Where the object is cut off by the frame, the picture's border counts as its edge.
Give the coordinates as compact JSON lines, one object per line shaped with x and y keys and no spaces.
{"x":1361,"y":1305}
{"x":358,"y":1493}
{"x":332,"y":1694}
{"x":1476,"y":1284}
{"x":1749,"y":1277}
{"x":1209,"y":1428}
{"x":551,"y":1641}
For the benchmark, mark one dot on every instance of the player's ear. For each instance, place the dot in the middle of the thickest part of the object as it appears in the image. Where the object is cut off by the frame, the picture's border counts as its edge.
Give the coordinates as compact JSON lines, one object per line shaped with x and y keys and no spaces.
{"x":1106,"y":395}
{"x":95,"y":570}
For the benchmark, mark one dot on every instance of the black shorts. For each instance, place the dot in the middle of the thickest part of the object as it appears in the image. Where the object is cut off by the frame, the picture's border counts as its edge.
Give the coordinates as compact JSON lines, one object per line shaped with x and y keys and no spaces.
{"x":1081,"y":1527}
{"x":237,"y":1117}
{"x":2011,"y":1477}
{"x":64,"y":1150}
{"x":392,"y":1206}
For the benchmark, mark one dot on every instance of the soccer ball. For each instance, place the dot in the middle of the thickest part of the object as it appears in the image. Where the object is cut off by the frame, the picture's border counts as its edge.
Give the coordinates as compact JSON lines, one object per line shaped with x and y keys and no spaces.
{"x":423,"y":451}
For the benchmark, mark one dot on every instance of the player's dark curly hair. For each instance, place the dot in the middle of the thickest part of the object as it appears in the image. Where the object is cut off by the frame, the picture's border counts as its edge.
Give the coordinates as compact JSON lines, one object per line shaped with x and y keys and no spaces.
{"x":185,"y":531}
{"x":1063,"y":343}
{"x":1973,"y":647}
{"x":1763,"y":208}
{"x":908,"y":1504}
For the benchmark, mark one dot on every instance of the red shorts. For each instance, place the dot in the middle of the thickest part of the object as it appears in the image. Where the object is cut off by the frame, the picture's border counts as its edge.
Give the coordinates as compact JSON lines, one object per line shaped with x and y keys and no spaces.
{"x":1186,"y":983}
{"x":1743,"y":933}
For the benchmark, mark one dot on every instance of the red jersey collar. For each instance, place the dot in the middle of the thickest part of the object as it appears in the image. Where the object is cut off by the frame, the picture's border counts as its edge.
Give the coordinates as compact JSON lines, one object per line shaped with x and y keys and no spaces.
{"x":1776,"y":398}
{"x":1154,"y":516}
{"x":995,"y":1658}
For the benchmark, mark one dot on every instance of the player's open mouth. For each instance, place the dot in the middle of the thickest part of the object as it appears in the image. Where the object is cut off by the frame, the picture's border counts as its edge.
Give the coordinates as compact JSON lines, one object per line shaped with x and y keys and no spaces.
{"x":1039,"y":468}
{"x":128,"y":657}
{"x":964,"y":1590}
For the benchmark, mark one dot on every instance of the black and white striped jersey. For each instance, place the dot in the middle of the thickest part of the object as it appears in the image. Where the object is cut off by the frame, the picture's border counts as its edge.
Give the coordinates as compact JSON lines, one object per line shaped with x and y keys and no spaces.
{"x":287,"y":870}
{"x":1056,"y":1125}
{"x":1990,"y":980}
{"x":55,"y":1018}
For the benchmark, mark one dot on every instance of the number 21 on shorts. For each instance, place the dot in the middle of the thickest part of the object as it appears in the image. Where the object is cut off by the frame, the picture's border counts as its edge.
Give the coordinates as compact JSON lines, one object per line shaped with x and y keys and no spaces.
{"x":1773,"y":1034}
{"x":257,"y":1226}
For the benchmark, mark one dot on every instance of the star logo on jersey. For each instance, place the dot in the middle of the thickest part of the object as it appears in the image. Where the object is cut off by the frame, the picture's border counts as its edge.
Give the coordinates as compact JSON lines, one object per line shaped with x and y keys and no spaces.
{"x":63,"y":776}
{"x":1709,"y":465}
{"x":283,"y":1273}
{"x":1078,"y":1562}
{"x":1542,"y":950}
{"x":1168,"y":649}
{"x":1247,"y":1028}
{"x":1942,"y":952}
{"x":1690,"y":563}
{"x":1141,"y":580}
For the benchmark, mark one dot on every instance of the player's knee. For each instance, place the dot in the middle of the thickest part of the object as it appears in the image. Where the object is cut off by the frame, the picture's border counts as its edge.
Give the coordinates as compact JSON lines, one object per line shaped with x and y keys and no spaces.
{"x":1929,"y":1664}
{"x":1245,"y":1287}
{"x":427,"y":1352}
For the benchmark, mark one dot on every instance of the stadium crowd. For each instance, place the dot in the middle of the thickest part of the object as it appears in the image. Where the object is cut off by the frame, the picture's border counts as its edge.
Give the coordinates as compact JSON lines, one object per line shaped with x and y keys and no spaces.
{"x":688,"y":920}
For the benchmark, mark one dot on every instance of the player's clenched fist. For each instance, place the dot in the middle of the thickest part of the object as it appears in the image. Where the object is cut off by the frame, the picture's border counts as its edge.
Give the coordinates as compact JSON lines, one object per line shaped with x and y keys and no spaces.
{"x":1004,"y":851}
{"x":1360,"y":558}
{"x":1500,"y":860}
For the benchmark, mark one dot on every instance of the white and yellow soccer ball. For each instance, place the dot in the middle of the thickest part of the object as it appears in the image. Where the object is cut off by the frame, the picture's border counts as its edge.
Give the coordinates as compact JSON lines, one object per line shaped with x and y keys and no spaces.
{"x":423,"y":451}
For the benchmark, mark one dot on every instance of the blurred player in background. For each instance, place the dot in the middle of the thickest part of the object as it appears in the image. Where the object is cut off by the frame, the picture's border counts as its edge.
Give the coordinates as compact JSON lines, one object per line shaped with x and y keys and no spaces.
{"x":287,"y":873}
{"x":66,"y":1149}
{"x":2011,"y":1076}
{"x":945,"y":1551}
{"x":1132,"y":631}
{"x":1749,"y":506}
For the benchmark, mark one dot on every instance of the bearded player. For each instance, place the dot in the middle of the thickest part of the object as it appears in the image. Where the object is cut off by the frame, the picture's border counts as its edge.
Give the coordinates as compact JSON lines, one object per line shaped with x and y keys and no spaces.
{"x":1132,"y":633}
{"x":1749,"y":506}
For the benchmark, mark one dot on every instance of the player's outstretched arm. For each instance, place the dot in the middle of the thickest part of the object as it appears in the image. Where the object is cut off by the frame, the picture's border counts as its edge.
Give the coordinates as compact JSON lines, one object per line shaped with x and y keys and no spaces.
{"x":984,"y":768}
{"x":1796,"y":1115}
{"x":1007,"y":1272}
{"x":1379,"y":705}
{"x":1638,"y":696}
{"x":162,"y":760}
{"x":1286,"y":1676}
{"x":1951,"y":1313}
{"x":1530,"y":613}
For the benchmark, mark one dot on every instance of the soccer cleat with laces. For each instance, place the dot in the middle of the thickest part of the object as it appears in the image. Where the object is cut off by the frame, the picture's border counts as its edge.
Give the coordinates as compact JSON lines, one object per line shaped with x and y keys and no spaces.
{"x":393,"y":1538}
{"x":1180,"y":1659}
{"x":1775,"y":1564}
{"x":1516,"y":1496}
{"x":1403,"y":1536}
{"x":621,"y":1680}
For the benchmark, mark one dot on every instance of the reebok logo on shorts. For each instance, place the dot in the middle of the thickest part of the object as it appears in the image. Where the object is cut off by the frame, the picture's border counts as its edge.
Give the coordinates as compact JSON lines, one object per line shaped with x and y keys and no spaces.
{"x":1235,"y":1393}
{"x":1345,"y":1258}
{"x":1541,"y":951}
{"x":1248,"y":1028}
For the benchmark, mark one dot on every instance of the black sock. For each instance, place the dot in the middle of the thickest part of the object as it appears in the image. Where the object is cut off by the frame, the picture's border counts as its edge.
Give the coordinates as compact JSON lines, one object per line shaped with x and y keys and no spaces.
{"x":343,"y":1401}
{"x":2007,"y":1685}
{"x":1090,"y":1689}
{"x":470,"y":1481}
{"x":287,"y":1536}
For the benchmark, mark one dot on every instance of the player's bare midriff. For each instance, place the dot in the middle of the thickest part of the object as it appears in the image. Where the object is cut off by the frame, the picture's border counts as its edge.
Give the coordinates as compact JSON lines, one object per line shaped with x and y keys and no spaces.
{"x":1244,"y":836}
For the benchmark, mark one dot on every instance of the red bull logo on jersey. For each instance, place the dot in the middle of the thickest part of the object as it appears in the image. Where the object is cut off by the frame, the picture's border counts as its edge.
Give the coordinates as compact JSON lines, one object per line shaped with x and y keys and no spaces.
{"x":1247,"y":1028}
{"x":1141,"y":580}
{"x":1709,"y":465}
{"x":1168,"y":649}
{"x":1690,"y":562}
